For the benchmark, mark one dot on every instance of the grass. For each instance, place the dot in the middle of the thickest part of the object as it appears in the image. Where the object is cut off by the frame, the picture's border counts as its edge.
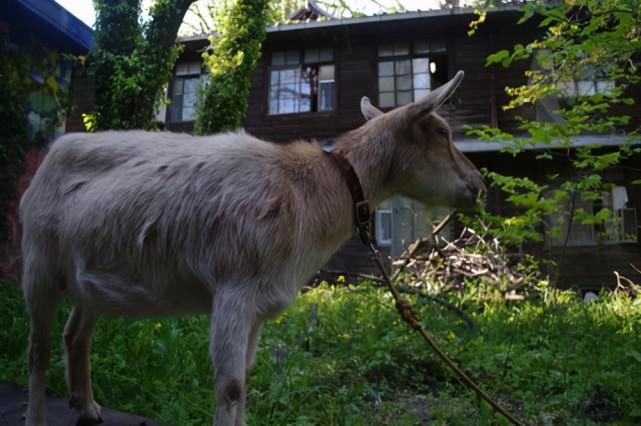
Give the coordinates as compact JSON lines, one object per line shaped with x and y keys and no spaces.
{"x":552,"y":361}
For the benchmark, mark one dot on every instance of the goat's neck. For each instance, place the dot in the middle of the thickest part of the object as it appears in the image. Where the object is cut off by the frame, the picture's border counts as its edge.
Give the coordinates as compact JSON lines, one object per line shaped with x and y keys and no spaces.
{"x":371,"y":158}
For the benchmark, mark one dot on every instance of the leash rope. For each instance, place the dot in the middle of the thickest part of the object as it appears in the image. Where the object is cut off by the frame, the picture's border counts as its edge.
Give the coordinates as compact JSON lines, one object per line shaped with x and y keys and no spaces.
{"x":408,"y":314}
{"x":361,"y":217}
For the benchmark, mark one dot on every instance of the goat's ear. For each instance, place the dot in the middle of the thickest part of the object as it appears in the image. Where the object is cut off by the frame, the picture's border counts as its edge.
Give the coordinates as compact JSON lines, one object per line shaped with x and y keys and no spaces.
{"x":369,"y":111}
{"x":433,"y":101}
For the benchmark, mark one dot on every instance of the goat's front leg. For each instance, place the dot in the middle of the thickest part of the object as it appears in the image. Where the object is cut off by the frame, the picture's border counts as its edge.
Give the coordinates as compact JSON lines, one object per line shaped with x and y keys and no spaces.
{"x":250,"y":360}
{"x":229,"y":337}
{"x":77,"y":339}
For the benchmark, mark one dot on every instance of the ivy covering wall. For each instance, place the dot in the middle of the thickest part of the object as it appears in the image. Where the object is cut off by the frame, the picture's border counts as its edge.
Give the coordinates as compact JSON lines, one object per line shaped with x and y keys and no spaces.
{"x":132,"y":62}
{"x":241,"y":30}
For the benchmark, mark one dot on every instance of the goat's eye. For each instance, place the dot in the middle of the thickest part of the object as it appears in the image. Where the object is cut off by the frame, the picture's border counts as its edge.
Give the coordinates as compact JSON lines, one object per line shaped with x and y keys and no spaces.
{"x":442,"y":131}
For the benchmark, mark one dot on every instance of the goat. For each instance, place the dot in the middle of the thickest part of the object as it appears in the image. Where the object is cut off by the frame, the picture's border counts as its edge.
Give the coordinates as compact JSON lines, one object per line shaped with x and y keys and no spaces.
{"x":140,"y":224}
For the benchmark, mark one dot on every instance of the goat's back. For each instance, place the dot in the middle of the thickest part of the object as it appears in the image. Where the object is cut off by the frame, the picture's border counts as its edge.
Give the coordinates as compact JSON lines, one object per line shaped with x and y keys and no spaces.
{"x":153,"y":207}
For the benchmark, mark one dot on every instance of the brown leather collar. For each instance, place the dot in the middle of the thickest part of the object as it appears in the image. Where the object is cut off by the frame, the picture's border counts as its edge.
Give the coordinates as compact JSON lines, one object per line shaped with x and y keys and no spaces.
{"x":361,"y":208}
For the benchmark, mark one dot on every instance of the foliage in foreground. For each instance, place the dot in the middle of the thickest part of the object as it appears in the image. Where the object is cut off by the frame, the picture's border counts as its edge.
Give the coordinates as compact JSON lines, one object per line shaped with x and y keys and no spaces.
{"x":591,"y":43}
{"x":550,"y":360}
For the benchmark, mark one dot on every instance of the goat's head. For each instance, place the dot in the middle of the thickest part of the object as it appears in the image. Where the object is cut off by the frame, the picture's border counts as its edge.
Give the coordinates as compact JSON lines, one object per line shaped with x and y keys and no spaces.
{"x":426,"y":165}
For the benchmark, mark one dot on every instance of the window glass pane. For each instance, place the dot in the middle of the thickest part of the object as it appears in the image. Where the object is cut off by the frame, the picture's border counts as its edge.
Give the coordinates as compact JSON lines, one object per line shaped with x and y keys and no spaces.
{"x":421,"y":81}
{"x":288,"y":76}
{"x":586,"y":88}
{"x":195,"y":67}
{"x":403,"y":67}
{"x":401,"y":48}
{"x":182,"y":68}
{"x":404,"y":82}
{"x":274,"y":77}
{"x":189,"y":113}
{"x":386,"y":50}
{"x":386,"y":84}
{"x":419,"y":93}
{"x":567,"y":87}
{"x":288,"y":91}
{"x":176,"y":108}
{"x":420,"y":65}
{"x":191,"y":85}
{"x":305,"y":89}
{"x":178,"y":86}
{"x":386,"y":100}
{"x":273,"y":101}
{"x":286,"y":106}
{"x":305,"y":105}
{"x":311,"y":55}
{"x":326,"y":96}
{"x":403,"y":98}
{"x":421,"y":46}
{"x":385,"y":69}
{"x":292,"y":57}
{"x":278,"y":58}
{"x":326,"y":54}
{"x":604,"y":86}
{"x":326,"y":72}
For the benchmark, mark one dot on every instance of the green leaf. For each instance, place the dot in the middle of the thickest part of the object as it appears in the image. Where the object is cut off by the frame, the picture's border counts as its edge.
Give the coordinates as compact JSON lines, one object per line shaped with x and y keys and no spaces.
{"x":497,"y":57}
{"x":634,"y":354}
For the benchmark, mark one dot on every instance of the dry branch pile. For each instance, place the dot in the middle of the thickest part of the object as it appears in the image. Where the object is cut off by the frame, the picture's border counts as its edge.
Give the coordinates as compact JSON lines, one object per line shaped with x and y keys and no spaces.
{"x":439,"y":265}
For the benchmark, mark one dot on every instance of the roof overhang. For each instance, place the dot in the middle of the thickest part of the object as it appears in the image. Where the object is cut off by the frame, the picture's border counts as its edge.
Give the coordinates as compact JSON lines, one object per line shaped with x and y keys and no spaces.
{"x":388,"y":17}
{"x":479,"y":145}
{"x":381,"y":18}
{"x":61,"y":20}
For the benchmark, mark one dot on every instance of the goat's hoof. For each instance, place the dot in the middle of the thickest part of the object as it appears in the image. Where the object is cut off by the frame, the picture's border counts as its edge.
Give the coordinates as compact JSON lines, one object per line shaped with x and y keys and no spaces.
{"x":88,"y":421}
{"x":89,"y":415}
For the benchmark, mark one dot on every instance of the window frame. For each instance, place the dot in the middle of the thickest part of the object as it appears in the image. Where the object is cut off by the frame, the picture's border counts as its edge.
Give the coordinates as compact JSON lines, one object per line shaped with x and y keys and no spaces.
{"x":169,"y":119}
{"x":378,"y":227}
{"x":596,"y":231}
{"x":315,"y":100}
{"x":430,"y":51}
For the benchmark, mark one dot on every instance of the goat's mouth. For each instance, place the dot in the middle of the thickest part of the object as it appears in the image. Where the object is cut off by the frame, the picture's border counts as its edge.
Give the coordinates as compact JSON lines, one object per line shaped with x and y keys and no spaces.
{"x":471,"y":196}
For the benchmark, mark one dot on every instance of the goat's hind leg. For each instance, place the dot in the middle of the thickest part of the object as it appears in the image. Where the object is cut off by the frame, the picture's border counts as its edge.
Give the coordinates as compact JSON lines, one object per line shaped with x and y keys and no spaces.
{"x":42,"y":294}
{"x":230,"y":329}
{"x":77,"y":339}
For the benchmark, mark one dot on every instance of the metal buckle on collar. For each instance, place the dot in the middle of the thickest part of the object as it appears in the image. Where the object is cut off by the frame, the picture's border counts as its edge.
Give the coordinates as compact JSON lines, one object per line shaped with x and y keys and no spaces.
{"x":361,"y":214}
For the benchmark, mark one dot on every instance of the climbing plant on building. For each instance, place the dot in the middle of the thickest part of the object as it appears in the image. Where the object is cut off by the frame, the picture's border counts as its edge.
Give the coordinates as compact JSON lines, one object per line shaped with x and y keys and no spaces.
{"x":235,"y":50}
{"x":132,"y":61}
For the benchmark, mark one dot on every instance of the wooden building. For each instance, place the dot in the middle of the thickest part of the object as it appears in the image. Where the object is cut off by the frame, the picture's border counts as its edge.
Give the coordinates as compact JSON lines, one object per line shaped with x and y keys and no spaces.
{"x":312,"y":74}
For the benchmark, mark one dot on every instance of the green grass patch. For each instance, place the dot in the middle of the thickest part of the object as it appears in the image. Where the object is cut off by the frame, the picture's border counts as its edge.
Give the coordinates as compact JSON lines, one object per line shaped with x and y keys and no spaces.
{"x":550,"y":362}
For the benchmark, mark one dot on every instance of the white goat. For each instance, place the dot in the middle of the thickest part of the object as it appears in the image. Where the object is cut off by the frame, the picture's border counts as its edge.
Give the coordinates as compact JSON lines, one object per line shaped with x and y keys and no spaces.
{"x":145,"y":224}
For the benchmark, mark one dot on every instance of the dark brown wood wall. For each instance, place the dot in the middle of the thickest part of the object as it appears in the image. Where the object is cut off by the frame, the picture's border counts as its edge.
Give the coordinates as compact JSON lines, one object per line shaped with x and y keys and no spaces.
{"x":475,"y":102}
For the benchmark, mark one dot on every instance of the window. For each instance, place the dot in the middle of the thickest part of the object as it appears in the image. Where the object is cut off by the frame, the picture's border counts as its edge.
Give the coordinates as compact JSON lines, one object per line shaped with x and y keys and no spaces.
{"x":621,"y":227}
{"x":185,"y":91}
{"x":383,"y":222}
{"x":405,"y":77}
{"x":306,"y":85}
{"x":591,"y":80}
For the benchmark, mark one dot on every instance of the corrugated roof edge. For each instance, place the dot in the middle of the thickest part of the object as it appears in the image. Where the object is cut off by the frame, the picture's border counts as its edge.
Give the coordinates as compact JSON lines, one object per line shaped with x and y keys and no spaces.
{"x":363,"y":20}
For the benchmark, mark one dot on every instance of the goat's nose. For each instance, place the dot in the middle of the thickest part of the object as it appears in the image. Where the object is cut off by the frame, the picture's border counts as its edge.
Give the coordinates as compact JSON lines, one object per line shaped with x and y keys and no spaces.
{"x":478,"y":188}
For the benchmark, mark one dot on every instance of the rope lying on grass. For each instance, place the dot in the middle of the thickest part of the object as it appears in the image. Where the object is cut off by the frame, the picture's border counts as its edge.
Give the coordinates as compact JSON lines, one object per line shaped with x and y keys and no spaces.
{"x":409,"y":315}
